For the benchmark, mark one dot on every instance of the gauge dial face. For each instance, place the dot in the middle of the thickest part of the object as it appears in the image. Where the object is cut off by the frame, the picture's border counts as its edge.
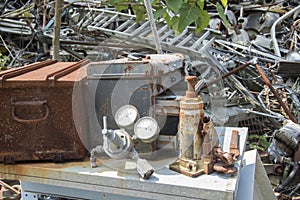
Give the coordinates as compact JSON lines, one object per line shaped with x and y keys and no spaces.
{"x":146,"y":129}
{"x":126,"y":116}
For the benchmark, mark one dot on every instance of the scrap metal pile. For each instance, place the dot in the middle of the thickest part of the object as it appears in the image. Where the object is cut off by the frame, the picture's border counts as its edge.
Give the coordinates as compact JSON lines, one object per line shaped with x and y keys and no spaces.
{"x":257,"y":57}
{"x":24,"y":26}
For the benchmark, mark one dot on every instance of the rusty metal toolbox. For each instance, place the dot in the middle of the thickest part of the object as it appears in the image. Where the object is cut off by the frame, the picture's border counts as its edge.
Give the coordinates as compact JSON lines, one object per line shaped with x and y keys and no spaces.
{"x":36,"y":121}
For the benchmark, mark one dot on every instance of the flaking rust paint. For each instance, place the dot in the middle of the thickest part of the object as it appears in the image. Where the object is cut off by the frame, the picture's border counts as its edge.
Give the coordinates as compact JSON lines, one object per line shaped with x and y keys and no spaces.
{"x":127,"y":70}
{"x":159,"y":85}
{"x":189,"y":122}
{"x":41,"y":170}
{"x":51,"y":136}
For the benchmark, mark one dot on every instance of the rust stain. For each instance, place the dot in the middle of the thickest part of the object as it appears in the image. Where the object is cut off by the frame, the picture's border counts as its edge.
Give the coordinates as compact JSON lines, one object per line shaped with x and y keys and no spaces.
{"x":159,"y":85}
{"x":128,"y":69}
{"x":39,"y":169}
{"x":151,"y":85}
{"x":49,"y":137}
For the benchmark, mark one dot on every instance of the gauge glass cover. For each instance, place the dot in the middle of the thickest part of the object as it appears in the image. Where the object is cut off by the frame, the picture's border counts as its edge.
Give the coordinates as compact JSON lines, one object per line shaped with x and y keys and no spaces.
{"x":126,"y":115}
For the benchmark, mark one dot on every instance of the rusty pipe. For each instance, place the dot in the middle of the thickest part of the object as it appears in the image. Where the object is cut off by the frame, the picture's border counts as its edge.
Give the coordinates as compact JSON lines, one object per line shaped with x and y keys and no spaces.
{"x":190,"y":92}
{"x":268,"y":83}
{"x":226,"y":75}
{"x":9,"y":187}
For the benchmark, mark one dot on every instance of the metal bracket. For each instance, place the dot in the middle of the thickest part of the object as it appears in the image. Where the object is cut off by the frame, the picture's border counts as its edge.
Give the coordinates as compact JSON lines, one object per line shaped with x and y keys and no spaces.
{"x":29,"y":196}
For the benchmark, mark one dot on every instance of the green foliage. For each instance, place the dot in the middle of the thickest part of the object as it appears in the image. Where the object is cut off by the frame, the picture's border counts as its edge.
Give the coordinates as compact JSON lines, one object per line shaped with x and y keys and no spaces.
{"x":174,"y":6}
{"x":178,"y":14}
{"x":201,"y":4}
{"x":137,"y":6}
{"x":259,"y":142}
{"x":222,"y":14}
{"x":188,"y":15}
{"x":159,"y":13}
{"x":4,"y":61}
{"x":201,"y":21}
{"x":185,"y":13}
{"x":140,"y":11}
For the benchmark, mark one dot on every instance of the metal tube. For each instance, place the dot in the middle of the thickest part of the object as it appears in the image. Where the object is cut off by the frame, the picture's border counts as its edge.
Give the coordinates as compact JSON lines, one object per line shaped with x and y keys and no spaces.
{"x":268,"y":83}
{"x":9,"y":187}
{"x":226,"y":75}
{"x":251,"y":50}
{"x":294,"y":190}
{"x":273,"y":32}
{"x":289,"y":178}
{"x":104,"y":122}
{"x":264,"y":114}
{"x":97,"y":149}
{"x":153,"y":26}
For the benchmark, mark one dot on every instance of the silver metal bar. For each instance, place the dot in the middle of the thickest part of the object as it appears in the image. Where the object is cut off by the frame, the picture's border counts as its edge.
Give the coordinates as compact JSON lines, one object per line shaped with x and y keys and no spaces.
{"x":19,"y":31}
{"x":162,"y":29}
{"x":184,"y":41}
{"x":109,"y":21}
{"x":104,"y":122}
{"x":153,"y":26}
{"x":178,"y":37}
{"x":250,"y":50}
{"x":102,"y":21}
{"x":109,"y":31}
{"x":207,"y":45}
{"x":132,"y":26}
{"x":109,"y":12}
{"x":84,"y":21}
{"x":167,"y":34}
{"x":141,"y":28}
{"x":13,"y":23}
{"x":205,"y":35}
{"x":98,"y":17}
{"x":232,"y":49}
{"x":145,"y":33}
{"x":273,"y":31}
{"x":136,"y":33}
{"x":263,"y":114}
{"x":124,"y":25}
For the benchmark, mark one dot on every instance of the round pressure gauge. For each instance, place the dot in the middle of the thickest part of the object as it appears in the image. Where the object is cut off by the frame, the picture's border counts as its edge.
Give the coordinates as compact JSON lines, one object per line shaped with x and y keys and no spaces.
{"x":146,"y":129}
{"x":126,"y":116}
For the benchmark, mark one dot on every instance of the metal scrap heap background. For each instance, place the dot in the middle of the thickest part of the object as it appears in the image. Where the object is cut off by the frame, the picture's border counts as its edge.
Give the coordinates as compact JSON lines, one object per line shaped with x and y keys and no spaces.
{"x":257,"y":57}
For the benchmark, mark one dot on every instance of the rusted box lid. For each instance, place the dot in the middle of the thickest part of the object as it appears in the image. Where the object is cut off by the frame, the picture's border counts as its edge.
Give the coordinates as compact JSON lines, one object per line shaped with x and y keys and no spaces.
{"x":46,"y":73}
{"x":153,"y":65}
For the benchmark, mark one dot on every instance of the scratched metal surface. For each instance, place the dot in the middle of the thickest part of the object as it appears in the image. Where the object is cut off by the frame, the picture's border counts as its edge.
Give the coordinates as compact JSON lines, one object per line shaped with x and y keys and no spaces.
{"x":164,"y":182}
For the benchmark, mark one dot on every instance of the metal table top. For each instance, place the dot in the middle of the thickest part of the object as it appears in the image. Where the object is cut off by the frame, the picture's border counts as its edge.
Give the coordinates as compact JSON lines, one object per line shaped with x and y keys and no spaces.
{"x":164,"y":183}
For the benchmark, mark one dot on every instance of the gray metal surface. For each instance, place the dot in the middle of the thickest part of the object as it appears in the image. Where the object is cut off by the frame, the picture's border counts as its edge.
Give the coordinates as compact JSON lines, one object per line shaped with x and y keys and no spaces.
{"x":29,"y":196}
{"x":254,"y":183}
{"x":164,"y":184}
{"x":36,"y":189}
{"x":115,"y":83}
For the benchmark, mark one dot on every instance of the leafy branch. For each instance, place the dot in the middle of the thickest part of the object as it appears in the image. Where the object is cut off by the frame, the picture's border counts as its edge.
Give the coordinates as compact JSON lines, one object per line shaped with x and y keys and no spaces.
{"x":178,"y":14}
